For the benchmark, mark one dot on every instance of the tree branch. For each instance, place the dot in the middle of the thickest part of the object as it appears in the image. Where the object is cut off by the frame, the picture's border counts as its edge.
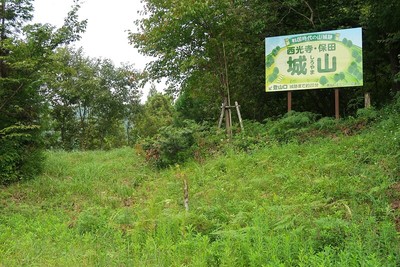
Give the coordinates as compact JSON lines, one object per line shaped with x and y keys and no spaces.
{"x":311,"y":18}
{"x":8,"y":99}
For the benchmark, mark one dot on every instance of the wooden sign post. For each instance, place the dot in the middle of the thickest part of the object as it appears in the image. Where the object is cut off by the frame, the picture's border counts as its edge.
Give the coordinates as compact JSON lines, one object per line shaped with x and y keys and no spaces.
{"x":337,"y":115}
{"x":289,"y":101}
{"x":324,"y":65}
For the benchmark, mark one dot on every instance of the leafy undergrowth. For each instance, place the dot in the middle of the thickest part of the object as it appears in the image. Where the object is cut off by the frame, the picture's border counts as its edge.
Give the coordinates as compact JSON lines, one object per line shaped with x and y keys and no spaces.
{"x":323,"y":202}
{"x":186,"y":140}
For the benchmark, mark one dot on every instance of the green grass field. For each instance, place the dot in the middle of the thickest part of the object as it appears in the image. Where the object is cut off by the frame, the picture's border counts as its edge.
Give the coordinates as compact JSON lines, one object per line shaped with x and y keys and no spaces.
{"x":325,"y":202}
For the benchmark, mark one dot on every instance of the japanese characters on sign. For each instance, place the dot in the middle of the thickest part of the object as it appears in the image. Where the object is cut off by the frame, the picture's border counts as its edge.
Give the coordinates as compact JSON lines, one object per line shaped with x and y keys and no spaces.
{"x":314,"y":60}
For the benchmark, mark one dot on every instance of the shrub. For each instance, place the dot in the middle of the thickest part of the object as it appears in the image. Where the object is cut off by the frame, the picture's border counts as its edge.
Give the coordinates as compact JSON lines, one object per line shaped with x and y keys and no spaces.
{"x":291,"y":125}
{"x":21,"y":157}
{"x":326,"y":124}
{"x":183,"y":141}
{"x":367,"y":114}
{"x":187,"y":140}
{"x":253,"y":137}
{"x":171,"y":145}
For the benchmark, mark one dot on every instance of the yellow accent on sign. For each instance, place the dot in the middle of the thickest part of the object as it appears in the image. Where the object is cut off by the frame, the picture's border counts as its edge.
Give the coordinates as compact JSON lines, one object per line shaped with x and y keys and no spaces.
{"x":314,"y":60}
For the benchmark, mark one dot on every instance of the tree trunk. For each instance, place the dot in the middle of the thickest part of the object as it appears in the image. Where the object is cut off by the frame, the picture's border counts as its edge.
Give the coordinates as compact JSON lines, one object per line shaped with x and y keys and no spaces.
{"x":394,"y":52}
{"x":3,"y":52}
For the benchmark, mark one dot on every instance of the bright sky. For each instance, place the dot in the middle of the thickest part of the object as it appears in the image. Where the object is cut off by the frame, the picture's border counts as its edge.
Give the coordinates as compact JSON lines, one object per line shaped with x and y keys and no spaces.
{"x":108,"y":21}
{"x":106,"y":34}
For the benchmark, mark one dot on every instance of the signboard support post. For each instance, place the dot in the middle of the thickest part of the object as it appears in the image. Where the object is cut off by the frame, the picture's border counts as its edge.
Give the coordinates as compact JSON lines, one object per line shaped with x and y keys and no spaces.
{"x":337,"y":116}
{"x":315,"y":60}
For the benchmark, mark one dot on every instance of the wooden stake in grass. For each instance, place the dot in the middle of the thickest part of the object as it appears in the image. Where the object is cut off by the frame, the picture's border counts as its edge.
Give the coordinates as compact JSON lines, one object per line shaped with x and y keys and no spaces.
{"x":182,"y":176}
{"x":186,"y":194}
{"x":367,"y":100}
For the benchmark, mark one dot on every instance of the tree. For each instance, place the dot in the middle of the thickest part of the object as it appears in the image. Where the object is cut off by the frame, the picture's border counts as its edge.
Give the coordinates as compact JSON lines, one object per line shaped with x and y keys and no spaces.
{"x":70,"y":88}
{"x":91,"y":100}
{"x":117,"y":105}
{"x":24,"y":56}
{"x":382,"y":39}
{"x":156,"y":113}
{"x":194,"y":43}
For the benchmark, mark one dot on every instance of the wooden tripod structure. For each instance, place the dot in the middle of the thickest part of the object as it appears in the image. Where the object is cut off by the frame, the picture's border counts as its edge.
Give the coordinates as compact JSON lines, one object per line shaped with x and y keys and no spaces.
{"x":226,"y":110}
{"x":226,"y":106}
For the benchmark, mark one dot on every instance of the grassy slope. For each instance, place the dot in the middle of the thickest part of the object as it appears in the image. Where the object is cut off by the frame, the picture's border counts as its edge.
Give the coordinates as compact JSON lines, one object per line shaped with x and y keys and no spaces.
{"x":322,"y":203}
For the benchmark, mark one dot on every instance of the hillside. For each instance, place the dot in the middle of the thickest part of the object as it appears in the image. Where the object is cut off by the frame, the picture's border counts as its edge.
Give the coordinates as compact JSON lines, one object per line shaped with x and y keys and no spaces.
{"x":327,"y":201}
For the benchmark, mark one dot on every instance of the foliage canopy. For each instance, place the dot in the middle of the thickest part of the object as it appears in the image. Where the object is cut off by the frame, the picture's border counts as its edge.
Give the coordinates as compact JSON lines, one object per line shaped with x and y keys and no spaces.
{"x":205,"y":46}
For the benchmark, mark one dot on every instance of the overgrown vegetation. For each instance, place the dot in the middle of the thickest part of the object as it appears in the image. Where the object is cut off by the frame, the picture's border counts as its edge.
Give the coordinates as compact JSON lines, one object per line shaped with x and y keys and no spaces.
{"x":294,"y":190}
{"x":53,"y":96}
{"x":204,"y":47}
{"x":91,"y":102}
{"x":24,"y":57}
{"x":319,"y":201}
{"x":188,"y":140}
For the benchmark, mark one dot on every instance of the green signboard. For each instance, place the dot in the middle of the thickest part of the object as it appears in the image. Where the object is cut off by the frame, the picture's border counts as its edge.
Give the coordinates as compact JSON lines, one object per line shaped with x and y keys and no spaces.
{"x":314,"y":60}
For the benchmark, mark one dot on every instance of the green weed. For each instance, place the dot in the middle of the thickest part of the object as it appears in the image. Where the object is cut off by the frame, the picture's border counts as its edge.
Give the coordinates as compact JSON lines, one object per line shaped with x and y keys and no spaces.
{"x":320,"y":202}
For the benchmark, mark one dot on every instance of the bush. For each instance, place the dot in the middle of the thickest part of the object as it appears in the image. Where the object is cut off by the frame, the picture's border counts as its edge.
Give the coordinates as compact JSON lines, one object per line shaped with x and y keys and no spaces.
{"x":187,"y":140}
{"x":171,"y":145}
{"x":254,"y":136}
{"x":291,"y":125}
{"x":326,"y":124}
{"x":21,"y":157}
{"x":180,"y":142}
{"x":367,"y":115}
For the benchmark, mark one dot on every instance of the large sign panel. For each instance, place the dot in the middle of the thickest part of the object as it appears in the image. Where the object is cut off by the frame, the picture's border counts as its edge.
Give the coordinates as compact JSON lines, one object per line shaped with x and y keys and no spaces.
{"x":314,"y":60}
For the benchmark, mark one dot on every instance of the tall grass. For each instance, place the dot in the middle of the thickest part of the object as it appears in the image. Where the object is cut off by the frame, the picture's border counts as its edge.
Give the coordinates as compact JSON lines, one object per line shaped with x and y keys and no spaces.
{"x":323,"y":202}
